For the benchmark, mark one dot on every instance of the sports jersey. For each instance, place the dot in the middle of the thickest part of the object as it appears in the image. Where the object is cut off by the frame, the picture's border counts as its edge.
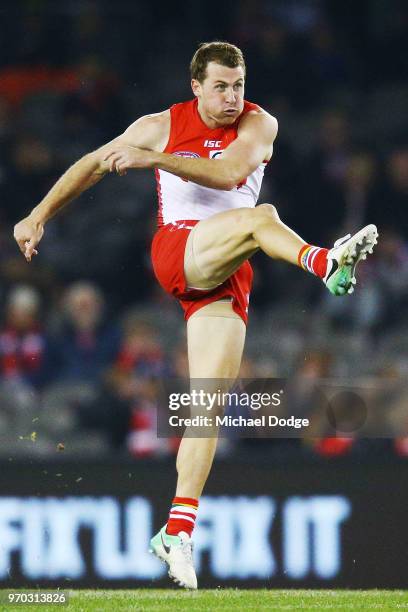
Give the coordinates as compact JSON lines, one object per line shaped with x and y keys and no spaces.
{"x":190,"y":137}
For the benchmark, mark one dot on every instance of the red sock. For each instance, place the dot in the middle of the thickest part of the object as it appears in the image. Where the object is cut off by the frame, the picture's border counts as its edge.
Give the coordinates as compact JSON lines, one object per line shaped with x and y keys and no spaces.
{"x":313,"y":259}
{"x":182,"y":515}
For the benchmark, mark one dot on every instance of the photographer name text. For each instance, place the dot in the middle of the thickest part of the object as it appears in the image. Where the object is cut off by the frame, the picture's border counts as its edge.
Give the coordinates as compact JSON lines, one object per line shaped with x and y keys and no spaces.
{"x":239,"y":421}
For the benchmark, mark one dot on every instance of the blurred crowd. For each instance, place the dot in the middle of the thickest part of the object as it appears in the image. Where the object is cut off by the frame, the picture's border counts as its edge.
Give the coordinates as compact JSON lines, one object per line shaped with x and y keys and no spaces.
{"x":85,"y":329}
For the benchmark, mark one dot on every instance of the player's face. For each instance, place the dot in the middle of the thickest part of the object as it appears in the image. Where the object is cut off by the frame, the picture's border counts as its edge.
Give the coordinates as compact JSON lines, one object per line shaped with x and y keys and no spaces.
{"x":221,"y":94}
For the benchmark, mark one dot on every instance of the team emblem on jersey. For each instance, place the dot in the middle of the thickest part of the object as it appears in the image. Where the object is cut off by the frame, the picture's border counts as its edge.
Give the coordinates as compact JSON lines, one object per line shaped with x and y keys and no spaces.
{"x":186,"y":154}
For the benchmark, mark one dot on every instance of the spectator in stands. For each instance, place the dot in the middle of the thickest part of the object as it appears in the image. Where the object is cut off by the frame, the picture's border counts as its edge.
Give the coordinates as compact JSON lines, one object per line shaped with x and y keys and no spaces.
{"x":23,"y":343}
{"x":24,"y":363}
{"x":87,"y":343}
{"x":141,"y":352}
{"x":130,"y":399}
{"x":83,"y":349}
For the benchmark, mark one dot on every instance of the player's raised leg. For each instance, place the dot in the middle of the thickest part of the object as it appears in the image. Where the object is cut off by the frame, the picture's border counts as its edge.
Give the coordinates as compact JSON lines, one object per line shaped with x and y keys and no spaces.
{"x":215,"y":336}
{"x":217,"y":246}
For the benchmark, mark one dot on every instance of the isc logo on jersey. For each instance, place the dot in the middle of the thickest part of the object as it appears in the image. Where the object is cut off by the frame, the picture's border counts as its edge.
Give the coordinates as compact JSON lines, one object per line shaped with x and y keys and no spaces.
{"x":212,"y":143}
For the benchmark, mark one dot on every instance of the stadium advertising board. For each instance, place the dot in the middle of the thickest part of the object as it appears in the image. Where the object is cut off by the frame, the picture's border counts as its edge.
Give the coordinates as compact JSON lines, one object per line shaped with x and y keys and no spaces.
{"x":293,"y":527}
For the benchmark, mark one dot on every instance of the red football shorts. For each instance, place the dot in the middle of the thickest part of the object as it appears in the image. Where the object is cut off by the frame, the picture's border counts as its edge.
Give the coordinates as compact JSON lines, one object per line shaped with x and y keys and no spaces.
{"x":167,"y":253}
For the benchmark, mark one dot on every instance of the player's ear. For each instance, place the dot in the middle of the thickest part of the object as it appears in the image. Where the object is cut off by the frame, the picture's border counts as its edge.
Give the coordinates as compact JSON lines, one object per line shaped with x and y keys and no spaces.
{"x":196,"y":87}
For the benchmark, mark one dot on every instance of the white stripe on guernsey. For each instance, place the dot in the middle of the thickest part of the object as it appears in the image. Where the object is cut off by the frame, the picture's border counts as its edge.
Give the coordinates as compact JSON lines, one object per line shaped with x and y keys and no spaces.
{"x":184,"y":509}
{"x":183,"y":517}
{"x":187,"y":200}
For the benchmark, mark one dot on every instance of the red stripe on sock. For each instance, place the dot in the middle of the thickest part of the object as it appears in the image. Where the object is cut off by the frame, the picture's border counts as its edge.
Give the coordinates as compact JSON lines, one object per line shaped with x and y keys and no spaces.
{"x":320,"y":263}
{"x":175,"y":525}
{"x":185,"y":500}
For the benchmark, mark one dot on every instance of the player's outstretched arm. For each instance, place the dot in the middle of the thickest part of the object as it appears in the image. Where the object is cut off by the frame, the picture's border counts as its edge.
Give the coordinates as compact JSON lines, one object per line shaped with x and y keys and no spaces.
{"x":147,"y":132}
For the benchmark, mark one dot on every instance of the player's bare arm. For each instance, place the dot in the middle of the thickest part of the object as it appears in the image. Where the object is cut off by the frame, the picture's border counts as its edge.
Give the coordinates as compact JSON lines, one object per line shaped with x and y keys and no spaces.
{"x":254,"y":144}
{"x":148,"y":132}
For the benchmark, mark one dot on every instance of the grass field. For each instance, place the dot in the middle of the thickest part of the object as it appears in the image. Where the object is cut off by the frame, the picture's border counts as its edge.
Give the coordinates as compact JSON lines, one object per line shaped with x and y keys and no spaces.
{"x":150,"y":600}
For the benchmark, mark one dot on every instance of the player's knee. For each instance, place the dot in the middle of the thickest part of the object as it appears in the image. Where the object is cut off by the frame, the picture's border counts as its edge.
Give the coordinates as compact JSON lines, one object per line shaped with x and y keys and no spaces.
{"x":248,"y":220}
{"x":264,"y":213}
{"x":267,"y":210}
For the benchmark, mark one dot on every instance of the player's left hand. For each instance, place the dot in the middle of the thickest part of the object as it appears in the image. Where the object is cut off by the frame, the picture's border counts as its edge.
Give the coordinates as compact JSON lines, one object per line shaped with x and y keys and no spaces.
{"x":123,"y":157}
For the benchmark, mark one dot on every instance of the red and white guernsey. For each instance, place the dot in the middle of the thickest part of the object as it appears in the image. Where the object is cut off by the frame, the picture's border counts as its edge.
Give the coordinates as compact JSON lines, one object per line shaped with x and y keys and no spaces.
{"x":180,"y":199}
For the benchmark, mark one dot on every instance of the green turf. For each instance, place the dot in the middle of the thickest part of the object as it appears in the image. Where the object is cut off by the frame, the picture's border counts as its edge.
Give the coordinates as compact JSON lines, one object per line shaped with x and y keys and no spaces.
{"x":150,"y":600}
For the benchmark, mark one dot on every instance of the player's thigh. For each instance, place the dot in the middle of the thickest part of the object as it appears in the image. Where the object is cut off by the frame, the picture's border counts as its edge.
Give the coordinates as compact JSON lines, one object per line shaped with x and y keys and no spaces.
{"x":215,"y":338}
{"x":217,"y":246}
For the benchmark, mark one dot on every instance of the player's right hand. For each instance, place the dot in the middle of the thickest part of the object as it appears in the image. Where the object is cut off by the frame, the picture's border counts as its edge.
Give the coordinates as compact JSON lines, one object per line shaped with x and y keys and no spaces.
{"x":28,"y":233}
